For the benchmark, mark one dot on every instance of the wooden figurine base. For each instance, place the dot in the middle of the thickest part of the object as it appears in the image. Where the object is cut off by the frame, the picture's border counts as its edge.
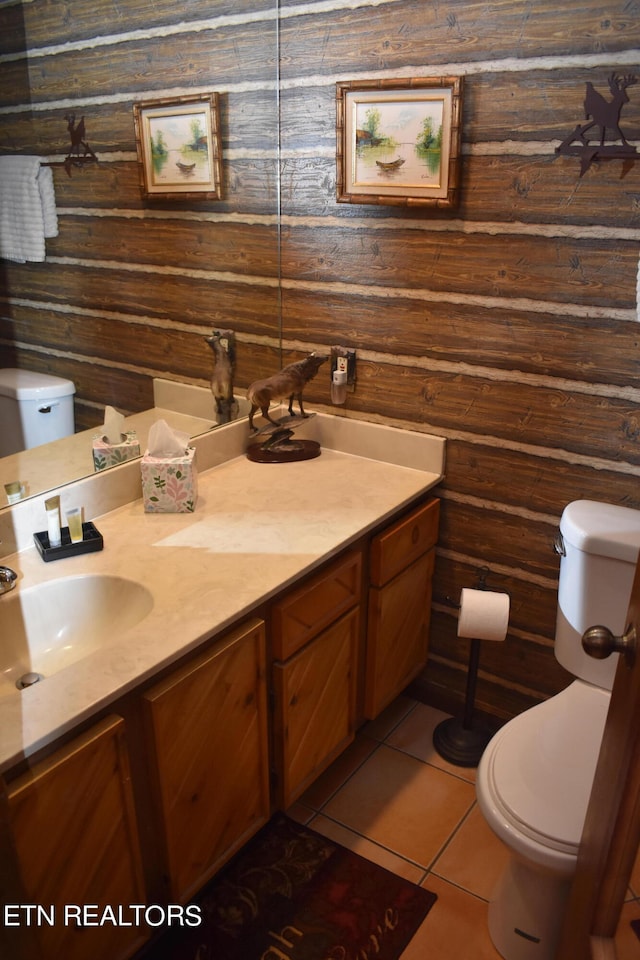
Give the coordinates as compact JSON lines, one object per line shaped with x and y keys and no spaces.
{"x":287,"y":451}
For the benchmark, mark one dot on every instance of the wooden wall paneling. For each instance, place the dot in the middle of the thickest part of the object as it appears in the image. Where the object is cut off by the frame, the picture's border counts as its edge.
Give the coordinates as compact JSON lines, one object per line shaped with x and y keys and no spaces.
{"x":187,"y":244}
{"x":533,"y":603}
{"x":522,"y":412}
{"x":247,"y":117}
{"x":512,"y":539}
{"x":560,"y":269}
{"x":149,"y":293}
{"x":533,"y":480}
{"x":512,"y":339}
{"x":249,"y":186}
{"x":496,"y":187}
{"x":166,"y":349}
{"x":537,"y":105}
{"x":46,"y":23}
{"x":514,"y":107}
{"x":153,"y":65}
{"x":516,"y":660}
{"x":460,"y":32}
{"x":443,"y":686}
{"x":547,"y":189}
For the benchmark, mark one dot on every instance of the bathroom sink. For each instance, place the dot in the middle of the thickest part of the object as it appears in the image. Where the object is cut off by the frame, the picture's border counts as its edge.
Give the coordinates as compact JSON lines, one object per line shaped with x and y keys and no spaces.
{"x":52,"y":625}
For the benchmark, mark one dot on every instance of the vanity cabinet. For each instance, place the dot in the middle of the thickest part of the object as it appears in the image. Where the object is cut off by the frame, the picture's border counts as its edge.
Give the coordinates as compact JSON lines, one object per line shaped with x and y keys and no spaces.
{"x":401,"y":562}
{"x":73,"y":828}
{"x":207,"y":747}
{"x":315,"y":639}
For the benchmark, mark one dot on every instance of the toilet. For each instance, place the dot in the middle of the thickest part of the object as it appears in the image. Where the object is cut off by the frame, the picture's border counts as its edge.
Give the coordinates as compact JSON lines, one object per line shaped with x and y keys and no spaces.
{"x":535,"y":776}
{"x":34,"y":409}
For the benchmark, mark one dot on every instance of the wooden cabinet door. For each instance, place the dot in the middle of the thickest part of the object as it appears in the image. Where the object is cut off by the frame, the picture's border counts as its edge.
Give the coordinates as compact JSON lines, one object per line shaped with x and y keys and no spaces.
{"x":75,"y":835}
{"x":207,"y":735}
{"x":397,"y":633}
{"x":315,"y":693}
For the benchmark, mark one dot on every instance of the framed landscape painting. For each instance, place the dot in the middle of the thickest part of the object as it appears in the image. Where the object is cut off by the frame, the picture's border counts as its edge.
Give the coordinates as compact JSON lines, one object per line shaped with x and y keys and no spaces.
{"x":178,"y":144}
{"x":398,"y":141}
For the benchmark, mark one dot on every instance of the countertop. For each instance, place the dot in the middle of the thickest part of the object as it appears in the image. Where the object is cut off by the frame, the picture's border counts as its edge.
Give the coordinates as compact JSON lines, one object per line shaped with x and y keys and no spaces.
{"x":257,"y":528}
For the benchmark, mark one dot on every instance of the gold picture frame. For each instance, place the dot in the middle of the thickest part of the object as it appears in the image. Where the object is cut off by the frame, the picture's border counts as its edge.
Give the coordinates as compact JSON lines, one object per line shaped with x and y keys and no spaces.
{"x":398,"y":141}
{"x":179,"y":149}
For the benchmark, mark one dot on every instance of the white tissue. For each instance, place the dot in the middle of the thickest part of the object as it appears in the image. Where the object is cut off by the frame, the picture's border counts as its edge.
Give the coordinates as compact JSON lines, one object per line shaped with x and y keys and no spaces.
{"x":113,"y":425}
{"x":483,"y":615}
{"x":165,"y":443}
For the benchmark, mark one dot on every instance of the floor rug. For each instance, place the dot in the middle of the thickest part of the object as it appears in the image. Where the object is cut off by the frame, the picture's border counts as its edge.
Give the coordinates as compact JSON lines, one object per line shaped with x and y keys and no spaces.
{"x":291,"y":894}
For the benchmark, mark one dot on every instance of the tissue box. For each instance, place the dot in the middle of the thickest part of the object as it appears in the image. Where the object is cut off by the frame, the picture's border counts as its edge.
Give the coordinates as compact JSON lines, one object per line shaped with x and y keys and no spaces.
{"x":170,"y":485}
{"x":111,"y":454}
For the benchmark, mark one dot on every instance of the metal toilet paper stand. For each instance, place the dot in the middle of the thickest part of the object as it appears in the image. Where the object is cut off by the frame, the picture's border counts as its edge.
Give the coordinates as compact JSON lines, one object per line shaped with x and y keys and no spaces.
{"x":462,"y":742}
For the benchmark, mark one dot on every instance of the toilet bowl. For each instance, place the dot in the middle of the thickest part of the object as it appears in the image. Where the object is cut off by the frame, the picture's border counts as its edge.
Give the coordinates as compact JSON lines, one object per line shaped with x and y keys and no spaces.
{"x":533,"y":788}
{"x":534,"y":779}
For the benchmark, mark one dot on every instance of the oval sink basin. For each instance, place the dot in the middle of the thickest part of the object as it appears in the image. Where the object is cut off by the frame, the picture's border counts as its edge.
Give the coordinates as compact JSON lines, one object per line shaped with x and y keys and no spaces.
{"x":52,"y":625}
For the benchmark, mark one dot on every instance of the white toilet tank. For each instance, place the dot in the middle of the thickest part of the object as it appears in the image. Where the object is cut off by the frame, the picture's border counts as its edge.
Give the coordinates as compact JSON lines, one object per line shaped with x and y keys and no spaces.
{"x":34,"y":409}
{"x":601,"y":545}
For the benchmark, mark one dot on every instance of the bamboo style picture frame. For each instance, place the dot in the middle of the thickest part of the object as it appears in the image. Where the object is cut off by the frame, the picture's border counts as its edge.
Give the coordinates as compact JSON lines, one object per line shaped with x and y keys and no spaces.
{"x":179,"y":148}
{"x":398,"y":141}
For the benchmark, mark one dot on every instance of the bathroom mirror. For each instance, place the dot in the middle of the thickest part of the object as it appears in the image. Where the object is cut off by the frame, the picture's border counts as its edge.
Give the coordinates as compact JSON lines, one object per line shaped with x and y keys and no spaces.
{"x":186,"y":408}
{"x":249,"y":106}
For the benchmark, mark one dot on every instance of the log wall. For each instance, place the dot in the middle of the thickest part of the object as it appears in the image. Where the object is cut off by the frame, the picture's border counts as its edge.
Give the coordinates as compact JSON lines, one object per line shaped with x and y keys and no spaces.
{"x":507,"y":325}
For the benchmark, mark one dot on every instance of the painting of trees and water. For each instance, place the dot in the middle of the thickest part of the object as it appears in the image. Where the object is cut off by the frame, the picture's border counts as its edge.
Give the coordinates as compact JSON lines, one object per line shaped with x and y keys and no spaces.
{"x":398,"y":142}
{"x":179,"y":148}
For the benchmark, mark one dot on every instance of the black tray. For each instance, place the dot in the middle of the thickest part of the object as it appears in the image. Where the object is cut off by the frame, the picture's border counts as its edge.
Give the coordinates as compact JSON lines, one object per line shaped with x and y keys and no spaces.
{"x":90,"y":543}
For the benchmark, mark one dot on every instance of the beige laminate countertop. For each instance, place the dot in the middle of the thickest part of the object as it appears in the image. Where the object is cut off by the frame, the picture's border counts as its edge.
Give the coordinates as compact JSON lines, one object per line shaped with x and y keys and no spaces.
{"x":257,"y":528}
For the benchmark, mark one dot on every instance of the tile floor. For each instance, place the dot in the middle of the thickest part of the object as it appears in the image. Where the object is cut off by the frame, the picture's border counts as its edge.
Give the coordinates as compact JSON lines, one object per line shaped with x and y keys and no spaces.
{"x":390,"y":797}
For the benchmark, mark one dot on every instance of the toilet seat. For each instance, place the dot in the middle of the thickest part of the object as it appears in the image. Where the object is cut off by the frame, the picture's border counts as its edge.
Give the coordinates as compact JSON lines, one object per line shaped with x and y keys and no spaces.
{"x":535,"y":776}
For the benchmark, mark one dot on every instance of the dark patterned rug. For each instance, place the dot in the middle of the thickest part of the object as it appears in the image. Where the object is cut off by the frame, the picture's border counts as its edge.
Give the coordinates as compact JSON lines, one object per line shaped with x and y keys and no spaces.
{"x":291,"y":894}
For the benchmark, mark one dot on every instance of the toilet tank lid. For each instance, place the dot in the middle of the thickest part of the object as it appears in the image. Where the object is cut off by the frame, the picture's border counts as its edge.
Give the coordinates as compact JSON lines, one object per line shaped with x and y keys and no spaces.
{"x":31,"y":385}
{"x":604,"y":529}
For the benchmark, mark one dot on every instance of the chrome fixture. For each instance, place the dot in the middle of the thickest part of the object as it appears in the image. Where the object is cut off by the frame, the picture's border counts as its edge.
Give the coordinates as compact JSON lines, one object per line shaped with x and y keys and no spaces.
{"x":8,"y":580}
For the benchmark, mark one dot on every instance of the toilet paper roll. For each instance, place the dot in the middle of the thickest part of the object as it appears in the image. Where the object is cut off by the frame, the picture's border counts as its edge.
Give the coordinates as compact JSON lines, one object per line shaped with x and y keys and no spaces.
{"x":483,"y":615}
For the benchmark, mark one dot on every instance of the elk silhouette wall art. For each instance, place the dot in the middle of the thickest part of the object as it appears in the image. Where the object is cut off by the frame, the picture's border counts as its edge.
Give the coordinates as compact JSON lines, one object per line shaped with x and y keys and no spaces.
{"x":602,"y":123}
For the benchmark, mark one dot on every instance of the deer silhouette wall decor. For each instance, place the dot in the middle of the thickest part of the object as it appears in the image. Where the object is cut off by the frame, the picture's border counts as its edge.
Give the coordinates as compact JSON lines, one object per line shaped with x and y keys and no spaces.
{"x":602,"y":117}
{"x":80,"y":152}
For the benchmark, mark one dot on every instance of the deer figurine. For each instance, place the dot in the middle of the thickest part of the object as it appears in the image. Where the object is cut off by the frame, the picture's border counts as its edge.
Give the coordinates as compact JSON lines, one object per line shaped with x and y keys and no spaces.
{"x":605,"y":114}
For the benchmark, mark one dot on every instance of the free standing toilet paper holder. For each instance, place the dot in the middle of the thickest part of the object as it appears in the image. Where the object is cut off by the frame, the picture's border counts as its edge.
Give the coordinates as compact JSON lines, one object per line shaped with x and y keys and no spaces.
{"x":461,"y":741}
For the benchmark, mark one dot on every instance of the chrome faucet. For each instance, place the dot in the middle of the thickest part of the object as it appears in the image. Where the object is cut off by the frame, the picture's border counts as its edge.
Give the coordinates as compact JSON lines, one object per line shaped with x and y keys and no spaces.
{"x":8,"y":579}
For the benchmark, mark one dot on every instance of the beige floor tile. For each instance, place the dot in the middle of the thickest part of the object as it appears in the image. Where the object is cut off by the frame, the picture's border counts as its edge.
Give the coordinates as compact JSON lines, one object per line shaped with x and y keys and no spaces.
{"x":365,"y":848}
{"x":454,"y":929}
{"x":339,"y":772}
{"x":381,"y":727}
{"x":627,"y":943}
{"x":474,"y":858}
{"x":415,"y":736}
{"x":634,"y":882}
{"x":403,"y":804}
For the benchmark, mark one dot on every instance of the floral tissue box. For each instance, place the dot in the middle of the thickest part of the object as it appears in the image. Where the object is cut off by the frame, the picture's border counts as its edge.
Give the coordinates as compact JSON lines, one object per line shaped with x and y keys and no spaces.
{"x":111,"y":454}
{"x":170,"y":485}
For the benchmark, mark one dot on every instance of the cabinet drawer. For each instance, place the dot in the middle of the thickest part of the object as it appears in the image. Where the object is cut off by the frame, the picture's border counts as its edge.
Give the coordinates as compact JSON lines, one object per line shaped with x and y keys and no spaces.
{"x":306,"y":611}
{"x":404,"y":542}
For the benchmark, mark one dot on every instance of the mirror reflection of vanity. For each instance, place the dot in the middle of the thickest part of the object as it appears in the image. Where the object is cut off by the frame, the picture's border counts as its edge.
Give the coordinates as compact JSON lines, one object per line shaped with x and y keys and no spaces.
{"x":185,"y":407}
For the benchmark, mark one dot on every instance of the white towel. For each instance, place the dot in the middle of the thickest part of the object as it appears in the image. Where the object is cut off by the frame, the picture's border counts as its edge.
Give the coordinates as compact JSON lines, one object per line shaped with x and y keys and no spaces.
{"x":27,"y":208}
